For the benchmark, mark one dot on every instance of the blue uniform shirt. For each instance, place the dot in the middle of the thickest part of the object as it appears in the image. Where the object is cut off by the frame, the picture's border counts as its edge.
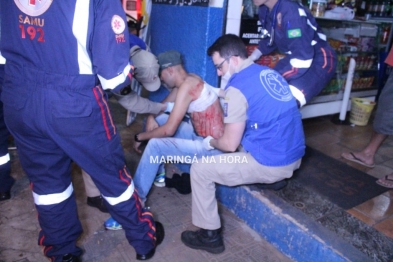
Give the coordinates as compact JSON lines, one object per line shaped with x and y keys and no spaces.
{"x":89,"y":38}
{"x":297,"y":35}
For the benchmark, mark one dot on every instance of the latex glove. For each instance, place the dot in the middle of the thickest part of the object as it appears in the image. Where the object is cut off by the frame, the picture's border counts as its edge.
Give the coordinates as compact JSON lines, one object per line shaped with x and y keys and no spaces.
{"x":169,"y":107}
{"x":255,"y":54}
{"x":206,"y":143}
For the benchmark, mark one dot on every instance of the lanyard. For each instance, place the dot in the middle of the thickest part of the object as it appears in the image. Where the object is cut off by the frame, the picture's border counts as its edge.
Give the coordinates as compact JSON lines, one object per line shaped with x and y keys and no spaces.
{"x":264,"y":32}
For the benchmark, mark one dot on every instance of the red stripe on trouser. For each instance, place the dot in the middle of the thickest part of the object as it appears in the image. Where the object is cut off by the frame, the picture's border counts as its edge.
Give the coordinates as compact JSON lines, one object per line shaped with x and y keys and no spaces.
{"x":324,"y":57}
{"x":144,"y":214}
{"x":290,"y":73}
{"x":105,"y":112}
{"x":331,"y":62}
{"x":124,"y":179}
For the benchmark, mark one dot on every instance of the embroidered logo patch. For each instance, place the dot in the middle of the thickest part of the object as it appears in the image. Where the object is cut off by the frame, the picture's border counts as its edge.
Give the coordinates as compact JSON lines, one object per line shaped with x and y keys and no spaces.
{"x":33,"y":7}
{"x":275,"y":85}
{"x":118,"y":24}
{"x":293,"y":33}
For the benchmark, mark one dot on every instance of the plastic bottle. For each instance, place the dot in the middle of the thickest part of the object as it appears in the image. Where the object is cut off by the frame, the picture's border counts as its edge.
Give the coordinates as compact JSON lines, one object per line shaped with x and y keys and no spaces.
{"x":318,"y":8}
{"x":381,"y":8}
{"x":376,"y":8}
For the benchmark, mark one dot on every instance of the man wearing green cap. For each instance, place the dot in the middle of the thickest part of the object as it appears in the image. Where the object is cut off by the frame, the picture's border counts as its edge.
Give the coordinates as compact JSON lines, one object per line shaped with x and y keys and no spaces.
{"x":166,"y":143}
{"x":192,"y":96}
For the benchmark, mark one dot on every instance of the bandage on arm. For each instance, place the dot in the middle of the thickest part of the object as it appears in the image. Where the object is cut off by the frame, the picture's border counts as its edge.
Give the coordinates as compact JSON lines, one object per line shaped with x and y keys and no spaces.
{"x":255,"y":54}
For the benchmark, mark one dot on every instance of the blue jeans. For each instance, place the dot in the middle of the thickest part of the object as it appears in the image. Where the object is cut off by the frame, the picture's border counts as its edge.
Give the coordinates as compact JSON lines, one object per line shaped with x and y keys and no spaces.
{"x":185,"y":130}
{"x":184,"y":147}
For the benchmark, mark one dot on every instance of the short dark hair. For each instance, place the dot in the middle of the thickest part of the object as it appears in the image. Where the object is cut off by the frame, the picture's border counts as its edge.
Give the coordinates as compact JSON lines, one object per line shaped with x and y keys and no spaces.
{"x":228,"y":45}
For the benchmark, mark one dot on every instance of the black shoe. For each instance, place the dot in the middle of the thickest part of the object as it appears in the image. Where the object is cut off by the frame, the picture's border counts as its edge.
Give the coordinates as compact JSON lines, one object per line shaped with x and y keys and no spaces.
{"x":5,"y":195}
{"x":97,"y":202}
{"x":71,"y":258}
{"x":208,"y":240}
{"x":181,"y":183}
{"x":147,"y":256}
{"x":160,"y":234}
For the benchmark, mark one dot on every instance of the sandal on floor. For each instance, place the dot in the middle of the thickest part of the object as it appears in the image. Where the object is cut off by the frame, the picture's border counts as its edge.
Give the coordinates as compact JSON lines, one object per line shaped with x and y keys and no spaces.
{"x":353,"y":158}
{"x":386,"y":182}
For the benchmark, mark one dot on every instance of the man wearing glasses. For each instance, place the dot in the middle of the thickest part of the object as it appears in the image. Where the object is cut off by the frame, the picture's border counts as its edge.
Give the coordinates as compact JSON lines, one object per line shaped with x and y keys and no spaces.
{"x":263,"y":134}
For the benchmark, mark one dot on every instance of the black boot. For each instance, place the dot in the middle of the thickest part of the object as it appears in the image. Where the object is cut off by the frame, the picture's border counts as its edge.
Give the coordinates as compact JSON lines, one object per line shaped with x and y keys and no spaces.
{"x":71,"y":258}
{"x":97,"y":202}
{"x":181,"y":183}
{"x":160,"y":234}
{"x":5,"y":195}
{"x":208,"y":240}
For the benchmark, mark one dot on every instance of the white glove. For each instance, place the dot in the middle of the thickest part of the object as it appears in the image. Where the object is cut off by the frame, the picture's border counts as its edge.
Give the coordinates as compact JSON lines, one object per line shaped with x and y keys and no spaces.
{"x":169,"y":107}
{"x":206,"y":143}
{"x":255,"y":54}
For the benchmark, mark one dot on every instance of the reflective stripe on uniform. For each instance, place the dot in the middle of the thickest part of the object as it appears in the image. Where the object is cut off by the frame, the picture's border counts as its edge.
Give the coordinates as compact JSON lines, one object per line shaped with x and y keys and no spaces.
{"x":123,"y":197}
{"x":302,"y":12}
{"x":322,"y":36}
{"x":51,"y":199}
{"x":311,"y":25}
{"x":2,"y":59}
{"x":4,"y":159}
{"x":300,"y":63}
{"x":114,"y":82}
{"x":79,"y":28}
{"x":298,"y":95}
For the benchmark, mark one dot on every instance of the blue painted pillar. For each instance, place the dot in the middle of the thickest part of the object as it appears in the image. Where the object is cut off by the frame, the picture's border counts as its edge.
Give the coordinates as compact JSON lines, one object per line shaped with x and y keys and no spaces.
{"x":189,"y":30}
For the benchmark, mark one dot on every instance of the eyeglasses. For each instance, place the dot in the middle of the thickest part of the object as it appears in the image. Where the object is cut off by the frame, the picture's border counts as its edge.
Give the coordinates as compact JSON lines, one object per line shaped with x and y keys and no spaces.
{"x":219,"y":66}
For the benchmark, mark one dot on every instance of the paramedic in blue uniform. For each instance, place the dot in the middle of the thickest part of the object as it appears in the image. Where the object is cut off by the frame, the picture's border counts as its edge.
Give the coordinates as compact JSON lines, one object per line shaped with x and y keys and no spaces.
{"x":310,"y":62}
{"x":57,"y":52}
{"x":269,"y":146}
{"x":6,"y":180}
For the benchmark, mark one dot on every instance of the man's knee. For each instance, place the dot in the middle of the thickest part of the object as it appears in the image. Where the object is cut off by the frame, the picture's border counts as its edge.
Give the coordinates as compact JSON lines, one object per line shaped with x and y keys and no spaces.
{"x":197,"y":169}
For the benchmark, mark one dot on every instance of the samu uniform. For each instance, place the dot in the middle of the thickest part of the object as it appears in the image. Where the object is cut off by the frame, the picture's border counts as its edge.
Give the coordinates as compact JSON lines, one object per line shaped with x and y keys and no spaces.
{"x":310,"y":61}
{"x":6,"y":180}
{"x":56,"y":51}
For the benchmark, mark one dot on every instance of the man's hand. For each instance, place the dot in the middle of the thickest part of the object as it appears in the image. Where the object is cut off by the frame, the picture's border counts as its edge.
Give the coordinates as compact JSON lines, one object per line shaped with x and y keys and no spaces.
{"x":136,"y":147}
{"x":206,"y":143}
{"x":151,"y":123}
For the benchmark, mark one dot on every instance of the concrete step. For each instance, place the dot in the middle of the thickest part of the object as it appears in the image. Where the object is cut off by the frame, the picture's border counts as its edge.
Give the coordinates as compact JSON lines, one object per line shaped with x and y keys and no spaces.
{"x":332,"y":235}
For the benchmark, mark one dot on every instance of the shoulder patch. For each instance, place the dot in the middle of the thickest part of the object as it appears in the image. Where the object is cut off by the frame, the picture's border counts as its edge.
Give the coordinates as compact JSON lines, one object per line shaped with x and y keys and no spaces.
{"x":294,"y":33}
{"x":225,"y":109}
{"x":33,"y":7}
{"x":118,"y":25}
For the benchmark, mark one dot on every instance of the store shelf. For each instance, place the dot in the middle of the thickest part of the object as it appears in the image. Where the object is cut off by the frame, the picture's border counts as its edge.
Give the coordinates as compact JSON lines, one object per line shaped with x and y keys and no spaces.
{"x":339,"y":96}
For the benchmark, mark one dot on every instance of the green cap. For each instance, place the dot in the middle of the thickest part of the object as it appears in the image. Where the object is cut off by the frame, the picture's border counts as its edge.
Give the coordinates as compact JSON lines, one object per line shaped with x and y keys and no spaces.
{"x":169,"y":58}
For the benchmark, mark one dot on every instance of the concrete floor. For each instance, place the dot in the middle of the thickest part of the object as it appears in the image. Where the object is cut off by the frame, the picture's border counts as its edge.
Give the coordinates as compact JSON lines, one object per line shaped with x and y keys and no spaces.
{"x":19,"y":227}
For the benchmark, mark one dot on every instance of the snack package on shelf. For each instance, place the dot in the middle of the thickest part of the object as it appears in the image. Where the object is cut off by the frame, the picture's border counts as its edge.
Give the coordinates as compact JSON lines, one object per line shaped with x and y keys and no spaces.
{"x":332,"y":87}
{"x":267,"y":60}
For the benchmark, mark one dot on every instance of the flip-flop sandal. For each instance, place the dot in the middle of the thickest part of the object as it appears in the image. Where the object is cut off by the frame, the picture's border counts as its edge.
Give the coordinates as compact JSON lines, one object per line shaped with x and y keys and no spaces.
{"x":385,"y":182}
{"x":357,"y":160}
